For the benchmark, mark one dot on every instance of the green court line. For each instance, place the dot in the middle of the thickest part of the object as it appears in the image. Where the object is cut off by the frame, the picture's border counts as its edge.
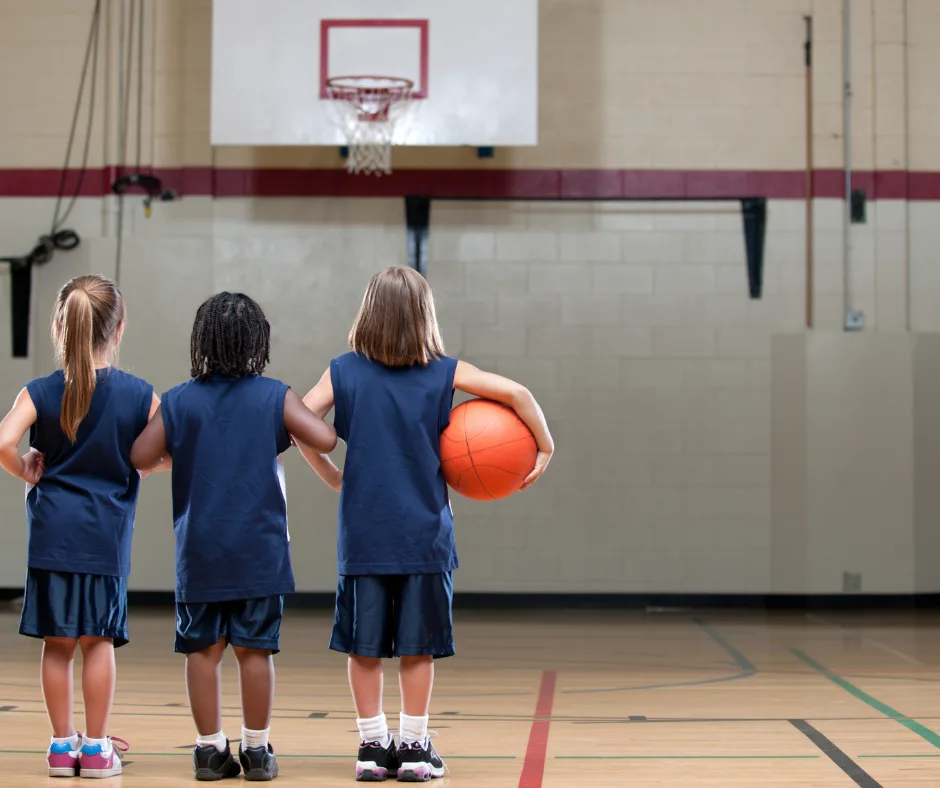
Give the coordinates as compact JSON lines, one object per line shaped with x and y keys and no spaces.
{"x":919,"y":755}
{"x":912,"y":725}
{"x":687,"y":757}
{"x":743,"y":662}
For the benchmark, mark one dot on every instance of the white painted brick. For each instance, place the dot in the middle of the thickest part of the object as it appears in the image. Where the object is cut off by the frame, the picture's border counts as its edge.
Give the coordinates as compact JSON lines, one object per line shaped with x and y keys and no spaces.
{"x":890,"y":215}
{"x":523,"y":246}
{"x":577,"y":374}
{"x":730,"y":437}
{"x":475,"y":246}
{"x":786,"y":214}
{"x":651,"y":374}
{"x":621,"y":470}
{"x":492,"y":278}
{"x":734,"y":404}
{"x":589,"y":247}
{"x":686,"y":279}
{"x":528,"y":310}
{"x":561,"y":278}
{"x":558,"y":341}
{"x":715,"y":374}
{"x":467,"y":310}
{"x":729,"y":501}
{"x":684,"y":469}
{"x":593,"y":310}
{"x":629,"y":279}
{"x":758,"y":373}
{"x":622,"y":216}
{"x":657,"y":505}
{"x":495,"y":342}
{"x":654,"y":248}
{"x":621,"y":342}
{"x":726,"y":310}
{"x":688,"y":217}
{"x":750,"y":469}
{"x":743,"y":342}
{"x":652,"y":438}
{"x":682,"y":342}
{"x":732,"y":280}
{"x":535,"y":374}
{"x":663,"y":310}
{"x":781,"y":248}
{"x":714,"y":247}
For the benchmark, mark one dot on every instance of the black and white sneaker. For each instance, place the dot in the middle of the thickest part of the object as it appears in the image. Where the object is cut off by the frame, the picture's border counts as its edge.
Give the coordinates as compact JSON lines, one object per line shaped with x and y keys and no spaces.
{"x":258,"y":763}
{"x":210,"y":765}
{"x":419,"y":762}
{"x":376,"y":763}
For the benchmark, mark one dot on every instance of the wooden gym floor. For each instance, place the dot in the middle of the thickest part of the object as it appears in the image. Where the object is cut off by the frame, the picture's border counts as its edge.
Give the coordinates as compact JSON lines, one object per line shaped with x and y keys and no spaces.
{"x":558,"y":700}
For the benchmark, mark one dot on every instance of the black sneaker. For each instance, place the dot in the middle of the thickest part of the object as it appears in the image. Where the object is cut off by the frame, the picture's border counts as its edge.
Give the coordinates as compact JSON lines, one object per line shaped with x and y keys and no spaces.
{"x":418,"y":763}
{"x":258,"y":763}
{"x":376,"y":763}
{"x":210,"y":765}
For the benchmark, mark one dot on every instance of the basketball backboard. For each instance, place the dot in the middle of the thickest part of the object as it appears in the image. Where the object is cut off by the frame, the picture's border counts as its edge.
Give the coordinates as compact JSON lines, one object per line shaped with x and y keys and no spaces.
{"x":474,"y":67}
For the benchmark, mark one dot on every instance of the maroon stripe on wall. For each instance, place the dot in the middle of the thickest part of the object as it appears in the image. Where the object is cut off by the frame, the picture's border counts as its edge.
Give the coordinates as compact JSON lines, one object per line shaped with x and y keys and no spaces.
{"x":492,"y":184}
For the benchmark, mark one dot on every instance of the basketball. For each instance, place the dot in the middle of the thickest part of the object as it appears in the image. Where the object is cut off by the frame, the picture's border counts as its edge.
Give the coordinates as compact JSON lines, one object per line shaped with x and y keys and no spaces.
{"x":486,"y":451}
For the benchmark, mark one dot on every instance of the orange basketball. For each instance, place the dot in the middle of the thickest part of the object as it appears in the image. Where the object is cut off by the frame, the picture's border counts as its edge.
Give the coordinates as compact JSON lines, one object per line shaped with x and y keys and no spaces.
{"x":486,"y":451}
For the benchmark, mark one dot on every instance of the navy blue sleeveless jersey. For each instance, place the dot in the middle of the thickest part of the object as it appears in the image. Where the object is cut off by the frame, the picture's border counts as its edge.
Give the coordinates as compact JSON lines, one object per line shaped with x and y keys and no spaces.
{"x":229,"y":510}
{"x":394,"y":510}
{"x":81,"y":514}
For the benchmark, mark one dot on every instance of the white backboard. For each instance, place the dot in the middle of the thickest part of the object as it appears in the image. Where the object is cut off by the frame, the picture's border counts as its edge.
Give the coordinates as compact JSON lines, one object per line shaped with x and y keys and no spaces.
{"x":474,"y":66}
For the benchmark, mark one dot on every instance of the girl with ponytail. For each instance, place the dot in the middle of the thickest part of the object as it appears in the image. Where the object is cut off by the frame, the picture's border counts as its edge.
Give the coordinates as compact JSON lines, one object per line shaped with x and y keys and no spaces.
{"x":81,"y":497}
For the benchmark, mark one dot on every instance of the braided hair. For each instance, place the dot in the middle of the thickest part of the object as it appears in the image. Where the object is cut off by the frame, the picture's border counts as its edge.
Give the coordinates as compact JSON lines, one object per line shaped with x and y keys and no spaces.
{"x":230,"y":337}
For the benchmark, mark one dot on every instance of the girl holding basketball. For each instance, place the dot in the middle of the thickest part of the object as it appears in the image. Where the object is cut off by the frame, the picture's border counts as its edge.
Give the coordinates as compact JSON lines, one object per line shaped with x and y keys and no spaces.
{"x":82,"y":495}
{"x":392,"y":397}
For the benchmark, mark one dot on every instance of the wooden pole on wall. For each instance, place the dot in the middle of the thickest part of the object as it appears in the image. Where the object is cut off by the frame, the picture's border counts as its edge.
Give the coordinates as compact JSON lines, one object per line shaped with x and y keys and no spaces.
{"x":808,"y":47}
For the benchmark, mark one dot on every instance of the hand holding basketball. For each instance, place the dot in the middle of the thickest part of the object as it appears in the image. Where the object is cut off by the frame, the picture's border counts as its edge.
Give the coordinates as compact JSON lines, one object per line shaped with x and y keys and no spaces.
{"x":488,"y":453}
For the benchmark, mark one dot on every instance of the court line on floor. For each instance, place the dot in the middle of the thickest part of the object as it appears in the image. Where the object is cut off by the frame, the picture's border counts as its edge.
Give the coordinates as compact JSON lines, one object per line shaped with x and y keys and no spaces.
{"x":852,"y":770}
{"x":743,"y":662}
{"x":876,"y":643}
{"x":687,"y":757}
{"x":747,"y":667}
{"x":912,"y":725}
{"x":533,"y":769}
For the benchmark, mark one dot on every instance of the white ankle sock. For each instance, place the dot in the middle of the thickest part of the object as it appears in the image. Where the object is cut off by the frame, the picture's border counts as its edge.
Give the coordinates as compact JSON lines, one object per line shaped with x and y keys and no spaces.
{"x":104,"y":744}
{"x":254,"y":738}
{"x":374,"y":729}
{"x":74,"y":741}
{"x":413,"y":729}
{"x":216,"y":740}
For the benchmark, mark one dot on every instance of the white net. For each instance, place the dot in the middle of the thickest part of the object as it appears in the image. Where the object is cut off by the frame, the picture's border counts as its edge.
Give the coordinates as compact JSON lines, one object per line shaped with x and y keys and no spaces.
{"x":369,"y":110}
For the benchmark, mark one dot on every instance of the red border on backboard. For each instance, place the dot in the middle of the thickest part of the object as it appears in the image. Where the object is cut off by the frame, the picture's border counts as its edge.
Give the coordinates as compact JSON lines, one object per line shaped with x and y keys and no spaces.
{"x":327,"y":24}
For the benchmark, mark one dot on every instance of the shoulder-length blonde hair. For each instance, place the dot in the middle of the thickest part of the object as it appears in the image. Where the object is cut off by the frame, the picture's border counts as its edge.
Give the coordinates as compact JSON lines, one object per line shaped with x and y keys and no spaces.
{"x":397,"y":325}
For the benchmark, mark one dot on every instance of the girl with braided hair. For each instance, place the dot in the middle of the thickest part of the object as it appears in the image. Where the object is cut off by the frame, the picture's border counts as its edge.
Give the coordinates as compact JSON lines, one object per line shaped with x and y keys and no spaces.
{"x":224,"y":430}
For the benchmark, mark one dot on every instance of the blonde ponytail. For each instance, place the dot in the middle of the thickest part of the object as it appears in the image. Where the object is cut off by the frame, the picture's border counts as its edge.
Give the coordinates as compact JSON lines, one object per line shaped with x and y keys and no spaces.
{"x":78,"y":360}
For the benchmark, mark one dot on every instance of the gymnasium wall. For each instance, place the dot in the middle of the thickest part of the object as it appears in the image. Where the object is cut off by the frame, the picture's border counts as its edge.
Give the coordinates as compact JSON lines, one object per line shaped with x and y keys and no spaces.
{"x":706,"y":443}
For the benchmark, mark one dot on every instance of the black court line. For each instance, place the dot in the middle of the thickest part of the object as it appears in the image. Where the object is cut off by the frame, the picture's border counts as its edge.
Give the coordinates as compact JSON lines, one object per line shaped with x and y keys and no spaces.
{"x":859,"y":776}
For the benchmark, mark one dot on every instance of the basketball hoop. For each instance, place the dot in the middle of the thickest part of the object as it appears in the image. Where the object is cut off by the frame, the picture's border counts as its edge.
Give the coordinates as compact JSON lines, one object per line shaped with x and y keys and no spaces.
{"x":368,"y":110}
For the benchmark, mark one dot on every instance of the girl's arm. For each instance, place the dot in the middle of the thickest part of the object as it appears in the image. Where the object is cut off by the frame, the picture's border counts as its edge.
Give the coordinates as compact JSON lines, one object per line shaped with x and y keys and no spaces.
{"x":307,"y":429}
{"x":150,"y":447}
{"x":320,"y":400}
{"x":14,"y":426}
{"x":165,"y":463}
{"x":495,"y":387}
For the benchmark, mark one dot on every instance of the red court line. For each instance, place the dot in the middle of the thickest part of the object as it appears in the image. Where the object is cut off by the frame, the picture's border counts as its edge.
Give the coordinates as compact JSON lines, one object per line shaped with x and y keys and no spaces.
{"x":534,"y":766}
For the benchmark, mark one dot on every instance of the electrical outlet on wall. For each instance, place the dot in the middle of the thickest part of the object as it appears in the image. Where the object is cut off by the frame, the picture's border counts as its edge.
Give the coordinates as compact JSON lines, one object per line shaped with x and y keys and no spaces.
{"x":851,"y":581}
{"x":854,"y":320}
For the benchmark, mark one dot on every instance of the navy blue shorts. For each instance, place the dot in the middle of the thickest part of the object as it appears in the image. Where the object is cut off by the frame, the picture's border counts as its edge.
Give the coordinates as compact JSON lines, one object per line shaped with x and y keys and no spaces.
{"x":394,"y":615}
{"x":248,"y":623}
{"x":69,"y":605}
